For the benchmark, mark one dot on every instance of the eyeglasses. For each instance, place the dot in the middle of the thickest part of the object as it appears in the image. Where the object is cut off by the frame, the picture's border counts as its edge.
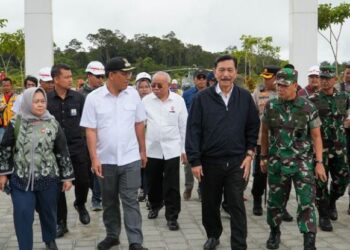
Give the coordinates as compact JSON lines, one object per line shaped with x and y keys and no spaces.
{"x":158,"y":85}
{"x":201,"y":77}
{"x":99,"y":76}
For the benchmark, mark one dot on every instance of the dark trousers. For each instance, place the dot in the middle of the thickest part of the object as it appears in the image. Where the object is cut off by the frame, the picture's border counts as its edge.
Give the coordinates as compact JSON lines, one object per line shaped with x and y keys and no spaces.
{"x":81,"y":183}
{"x":24,"y":204}
{"x":227,"y":178}
{"x":144,"y":183}
{"x":260,"y":179}
{"x":164,"y":185}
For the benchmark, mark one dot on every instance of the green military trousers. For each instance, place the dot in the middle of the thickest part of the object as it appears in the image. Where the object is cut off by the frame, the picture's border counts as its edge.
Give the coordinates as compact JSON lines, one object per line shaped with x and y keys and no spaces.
{"x":280,"y":174}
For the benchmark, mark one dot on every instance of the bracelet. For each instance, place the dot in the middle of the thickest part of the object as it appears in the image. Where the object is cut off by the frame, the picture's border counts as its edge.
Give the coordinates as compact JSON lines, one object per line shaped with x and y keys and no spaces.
{"x":318,"y":162}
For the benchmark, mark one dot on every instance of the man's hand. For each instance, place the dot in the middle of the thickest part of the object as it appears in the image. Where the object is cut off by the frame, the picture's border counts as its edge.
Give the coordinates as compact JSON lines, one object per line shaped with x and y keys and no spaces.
{"x":263,"y":166}
{"x":183,"y":158}
{"x":97,"y":167}
{"x":197,"y":172}
{"x":320,"y":173}
{"x":66,"y":186}
{"x":143,"y":159}
{"x":246,"y":165}
{"x":3,"y":181}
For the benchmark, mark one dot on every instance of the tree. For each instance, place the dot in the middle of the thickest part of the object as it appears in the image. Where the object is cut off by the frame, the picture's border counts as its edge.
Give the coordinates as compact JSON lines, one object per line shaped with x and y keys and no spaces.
{"x":329,"y":18}
{"x":3,"y":23}
{"x":12,"y":47}
{"x":109,"y":43}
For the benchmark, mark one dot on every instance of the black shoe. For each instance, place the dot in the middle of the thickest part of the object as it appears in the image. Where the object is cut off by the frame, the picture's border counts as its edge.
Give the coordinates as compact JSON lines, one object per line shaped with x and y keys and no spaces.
{"x":333,"y":213}
{"x":257,"y":208}
{"x":187,"y":194}
{"x":211,"y":244}
{"x":309,"y":241}
{"x":141,"y":196}
{"x":325,"y":224}
{"x":84,"y":216}
{"x":61,"y":229}
{"x":274,"y":239}
{"x":153,"y":213}
{"x":286,"y":216}
{"x":173,"y":225}
{"x":51,"y":245}
{"x":137,"y":246}
{"x":107,"y":243}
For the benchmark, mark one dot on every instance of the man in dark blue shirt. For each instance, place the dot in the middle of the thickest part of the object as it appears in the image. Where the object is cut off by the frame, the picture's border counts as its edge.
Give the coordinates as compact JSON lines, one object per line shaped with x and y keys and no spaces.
{"x":200,"y":82}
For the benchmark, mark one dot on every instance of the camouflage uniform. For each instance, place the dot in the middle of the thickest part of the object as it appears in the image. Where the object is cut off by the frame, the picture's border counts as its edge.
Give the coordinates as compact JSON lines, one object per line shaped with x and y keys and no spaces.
{"x":333,"y":110}
{"x":291,"y":159}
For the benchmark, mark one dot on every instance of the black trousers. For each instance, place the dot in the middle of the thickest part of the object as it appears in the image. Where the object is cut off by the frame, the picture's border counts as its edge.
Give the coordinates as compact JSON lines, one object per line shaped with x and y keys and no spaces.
{"x":227,"y":177}
{"x":260,"y":179}
{"x":82,"y":183}
{"x":163,"y":179}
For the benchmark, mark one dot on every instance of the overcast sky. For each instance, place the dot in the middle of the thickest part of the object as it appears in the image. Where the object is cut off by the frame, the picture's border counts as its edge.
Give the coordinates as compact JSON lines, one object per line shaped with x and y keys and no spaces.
{"x":213,"y":24}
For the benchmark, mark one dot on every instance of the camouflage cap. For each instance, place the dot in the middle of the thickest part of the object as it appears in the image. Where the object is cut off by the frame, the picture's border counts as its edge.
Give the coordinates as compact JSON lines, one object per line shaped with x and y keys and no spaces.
{"x":286,"y":76}
{"x":327,"y":71}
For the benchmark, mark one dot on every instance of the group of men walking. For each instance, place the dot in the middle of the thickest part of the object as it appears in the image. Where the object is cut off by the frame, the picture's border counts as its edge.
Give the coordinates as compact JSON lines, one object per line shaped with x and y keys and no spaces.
{"x":218,"y":132}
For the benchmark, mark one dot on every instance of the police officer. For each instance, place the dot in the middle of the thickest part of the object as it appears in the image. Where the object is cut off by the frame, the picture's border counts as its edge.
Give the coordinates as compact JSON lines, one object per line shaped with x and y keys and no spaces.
{"x":290,"y":131}
{"x":333,"y":107}
{"x":261,"y":95}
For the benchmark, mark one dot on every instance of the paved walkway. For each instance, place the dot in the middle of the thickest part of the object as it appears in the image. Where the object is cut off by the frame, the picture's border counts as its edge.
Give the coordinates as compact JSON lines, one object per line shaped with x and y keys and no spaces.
{"x":190,"y":236}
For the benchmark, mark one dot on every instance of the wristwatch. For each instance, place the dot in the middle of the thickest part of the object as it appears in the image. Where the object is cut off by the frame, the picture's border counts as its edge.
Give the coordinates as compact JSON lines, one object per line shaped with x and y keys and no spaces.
{"x":250,"y":153}
{"x":319,"y":162}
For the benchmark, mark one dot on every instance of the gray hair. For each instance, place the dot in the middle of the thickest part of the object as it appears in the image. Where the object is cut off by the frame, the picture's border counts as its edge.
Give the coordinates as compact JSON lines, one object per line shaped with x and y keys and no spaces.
{"x":162,"y":73}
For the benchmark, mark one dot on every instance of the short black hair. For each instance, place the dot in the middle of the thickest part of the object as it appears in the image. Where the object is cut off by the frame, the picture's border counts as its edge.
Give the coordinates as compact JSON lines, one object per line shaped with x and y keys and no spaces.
{"x":6,"y":79}
{"x":347,"y":65}
{"x":32,"y":79}
{"x":56,"y":69}
{"x":225,"y":58}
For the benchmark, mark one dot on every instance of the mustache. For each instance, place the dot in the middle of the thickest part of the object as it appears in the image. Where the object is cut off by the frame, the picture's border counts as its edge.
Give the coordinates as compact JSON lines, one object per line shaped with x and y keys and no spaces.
{"x":225,"y":78}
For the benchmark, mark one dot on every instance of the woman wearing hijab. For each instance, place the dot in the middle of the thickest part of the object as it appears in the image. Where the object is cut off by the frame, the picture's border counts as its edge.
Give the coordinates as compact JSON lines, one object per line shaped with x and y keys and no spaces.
{"x":34,"y":158}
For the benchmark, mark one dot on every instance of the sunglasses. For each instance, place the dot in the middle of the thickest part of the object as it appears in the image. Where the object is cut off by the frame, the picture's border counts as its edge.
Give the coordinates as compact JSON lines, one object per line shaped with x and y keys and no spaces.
{"x":158,"y":85}
{"x":201,"y":77}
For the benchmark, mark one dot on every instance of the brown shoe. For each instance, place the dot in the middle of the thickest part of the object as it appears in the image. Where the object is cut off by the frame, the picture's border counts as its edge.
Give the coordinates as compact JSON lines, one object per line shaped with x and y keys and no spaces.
{"x":187,"y":194}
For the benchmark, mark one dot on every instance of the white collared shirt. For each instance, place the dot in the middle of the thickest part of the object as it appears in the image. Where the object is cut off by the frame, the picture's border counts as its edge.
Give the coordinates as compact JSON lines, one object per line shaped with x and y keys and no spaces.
{"x":166,"y":126}
{"x":224,"y":98}
{"x":114,"y":117}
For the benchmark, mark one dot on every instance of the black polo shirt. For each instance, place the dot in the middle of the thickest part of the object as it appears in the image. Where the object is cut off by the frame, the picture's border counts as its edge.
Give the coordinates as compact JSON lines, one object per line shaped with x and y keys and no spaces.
{"x":68,"y":112}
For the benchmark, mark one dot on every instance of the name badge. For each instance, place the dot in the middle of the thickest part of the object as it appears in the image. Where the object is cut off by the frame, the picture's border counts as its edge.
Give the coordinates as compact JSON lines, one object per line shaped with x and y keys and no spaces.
{"x":73,"y":112}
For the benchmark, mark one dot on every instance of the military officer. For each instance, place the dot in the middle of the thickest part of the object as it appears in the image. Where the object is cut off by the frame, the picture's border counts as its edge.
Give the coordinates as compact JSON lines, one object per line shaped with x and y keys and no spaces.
{"x":290,"y":132}
{"x":333,"y":108}
{"x":263,"y":93}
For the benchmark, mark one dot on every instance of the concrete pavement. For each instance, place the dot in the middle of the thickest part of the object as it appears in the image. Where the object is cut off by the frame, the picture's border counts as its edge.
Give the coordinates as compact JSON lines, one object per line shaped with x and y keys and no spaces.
{"x":191,"y":235}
